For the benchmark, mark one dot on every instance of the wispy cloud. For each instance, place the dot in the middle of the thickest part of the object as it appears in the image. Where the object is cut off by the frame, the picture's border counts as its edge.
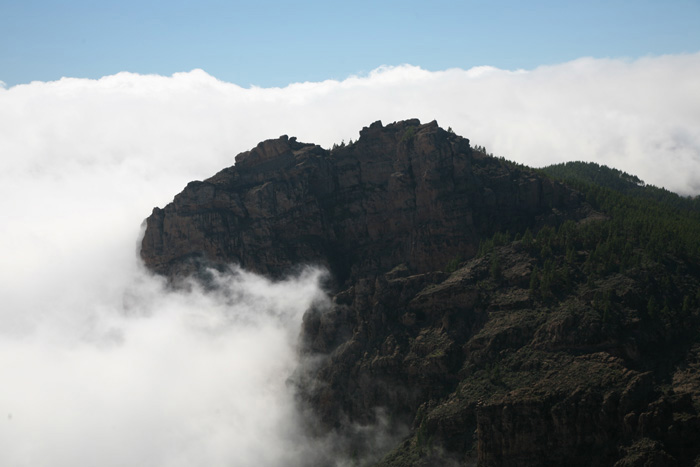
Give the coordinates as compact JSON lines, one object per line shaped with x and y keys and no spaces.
{"x":101,"y":364}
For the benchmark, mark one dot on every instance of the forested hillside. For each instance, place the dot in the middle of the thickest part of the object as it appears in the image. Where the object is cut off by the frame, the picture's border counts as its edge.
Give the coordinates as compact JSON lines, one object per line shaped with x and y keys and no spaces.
{"x":591,"y":349}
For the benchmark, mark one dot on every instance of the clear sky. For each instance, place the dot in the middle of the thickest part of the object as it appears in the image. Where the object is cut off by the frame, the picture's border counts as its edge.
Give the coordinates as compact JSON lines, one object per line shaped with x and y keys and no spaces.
{"x":274,"y":43}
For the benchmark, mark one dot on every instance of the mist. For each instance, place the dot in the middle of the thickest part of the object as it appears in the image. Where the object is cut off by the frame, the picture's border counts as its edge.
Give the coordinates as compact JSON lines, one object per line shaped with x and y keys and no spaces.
{"x":103,"y":364}
{"x":159,"y":377}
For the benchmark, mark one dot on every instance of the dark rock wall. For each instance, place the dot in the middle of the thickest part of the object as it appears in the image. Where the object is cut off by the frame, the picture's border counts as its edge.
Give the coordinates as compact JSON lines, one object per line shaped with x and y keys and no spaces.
{"x":402,"y":194}
{"x":468,"y":360}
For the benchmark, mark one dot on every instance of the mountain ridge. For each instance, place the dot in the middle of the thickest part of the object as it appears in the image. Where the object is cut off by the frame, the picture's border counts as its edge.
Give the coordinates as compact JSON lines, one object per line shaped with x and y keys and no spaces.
{"x":335,"y":202}
{"x":503,"y":315}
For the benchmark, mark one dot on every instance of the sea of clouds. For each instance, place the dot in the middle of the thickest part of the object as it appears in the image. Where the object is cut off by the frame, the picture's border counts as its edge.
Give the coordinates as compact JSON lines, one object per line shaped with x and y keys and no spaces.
{"x":102,"y":364}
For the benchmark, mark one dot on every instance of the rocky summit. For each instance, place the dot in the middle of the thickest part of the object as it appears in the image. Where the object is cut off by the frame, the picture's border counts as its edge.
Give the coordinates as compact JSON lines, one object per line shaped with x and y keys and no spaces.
{"x":486,"y":312}
{"x":406,"y":194}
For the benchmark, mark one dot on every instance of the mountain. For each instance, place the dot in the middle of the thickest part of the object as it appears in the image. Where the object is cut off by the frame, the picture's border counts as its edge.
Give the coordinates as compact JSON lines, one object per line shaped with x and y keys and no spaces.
{"x":482,"y":311}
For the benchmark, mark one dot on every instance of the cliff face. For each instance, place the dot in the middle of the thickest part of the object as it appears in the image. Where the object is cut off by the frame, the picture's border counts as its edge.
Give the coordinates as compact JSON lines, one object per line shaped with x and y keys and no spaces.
{"x":402,"y":194}
{"x":525,"y":354}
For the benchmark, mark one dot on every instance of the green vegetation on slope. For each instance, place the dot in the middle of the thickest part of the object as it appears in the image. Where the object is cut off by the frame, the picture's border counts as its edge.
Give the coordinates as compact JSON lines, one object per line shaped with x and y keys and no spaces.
{"x":578,"y":314}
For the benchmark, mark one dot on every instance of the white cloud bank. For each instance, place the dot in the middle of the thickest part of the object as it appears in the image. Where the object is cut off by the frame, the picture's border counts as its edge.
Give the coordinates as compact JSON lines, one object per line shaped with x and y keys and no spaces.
{"x":158,"y":378}
{"x":102,"y":366}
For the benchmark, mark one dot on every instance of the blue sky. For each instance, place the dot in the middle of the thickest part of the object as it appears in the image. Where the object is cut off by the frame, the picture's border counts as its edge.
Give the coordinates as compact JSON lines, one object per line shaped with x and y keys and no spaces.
{"x":274,"y":43}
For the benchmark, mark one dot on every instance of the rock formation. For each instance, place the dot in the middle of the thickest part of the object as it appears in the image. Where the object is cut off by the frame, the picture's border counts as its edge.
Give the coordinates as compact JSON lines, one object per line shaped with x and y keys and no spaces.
{"x":402,"y":194}
{"x":462,"y":349}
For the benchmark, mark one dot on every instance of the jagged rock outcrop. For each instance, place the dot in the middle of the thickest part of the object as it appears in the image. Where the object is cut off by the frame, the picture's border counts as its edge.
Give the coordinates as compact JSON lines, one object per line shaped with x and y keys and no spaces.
{"x":402,"y":194}
{"x":499,"y":377}
{"x":473,"y":354}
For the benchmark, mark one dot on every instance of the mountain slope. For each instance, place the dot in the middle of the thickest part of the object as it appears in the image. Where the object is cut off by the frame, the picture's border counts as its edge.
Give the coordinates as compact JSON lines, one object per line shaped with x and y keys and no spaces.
{"x":495,"y":313}
{"x":404,"y":193}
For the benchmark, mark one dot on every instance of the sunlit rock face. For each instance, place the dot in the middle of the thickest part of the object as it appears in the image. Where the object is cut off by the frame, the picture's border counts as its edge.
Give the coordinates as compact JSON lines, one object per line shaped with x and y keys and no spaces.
{"x":404,"y":193}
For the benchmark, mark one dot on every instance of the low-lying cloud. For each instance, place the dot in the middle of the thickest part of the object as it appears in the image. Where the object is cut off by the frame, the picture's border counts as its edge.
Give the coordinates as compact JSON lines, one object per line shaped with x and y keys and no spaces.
{"x":103,"y":365}
{"x":159,"y":377}
{"x":640,"y":116}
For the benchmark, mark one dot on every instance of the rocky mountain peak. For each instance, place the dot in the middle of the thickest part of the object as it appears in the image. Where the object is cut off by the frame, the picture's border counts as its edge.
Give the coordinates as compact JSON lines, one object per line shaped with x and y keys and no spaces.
{"x":268,"y":150}
{"x":404,"y":193}
{"x":486,"y":308}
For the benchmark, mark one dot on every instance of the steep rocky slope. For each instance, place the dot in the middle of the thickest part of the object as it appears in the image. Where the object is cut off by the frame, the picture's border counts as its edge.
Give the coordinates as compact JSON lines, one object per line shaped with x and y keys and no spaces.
{"x":544,"y":346}
{"x":405,"y":193}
